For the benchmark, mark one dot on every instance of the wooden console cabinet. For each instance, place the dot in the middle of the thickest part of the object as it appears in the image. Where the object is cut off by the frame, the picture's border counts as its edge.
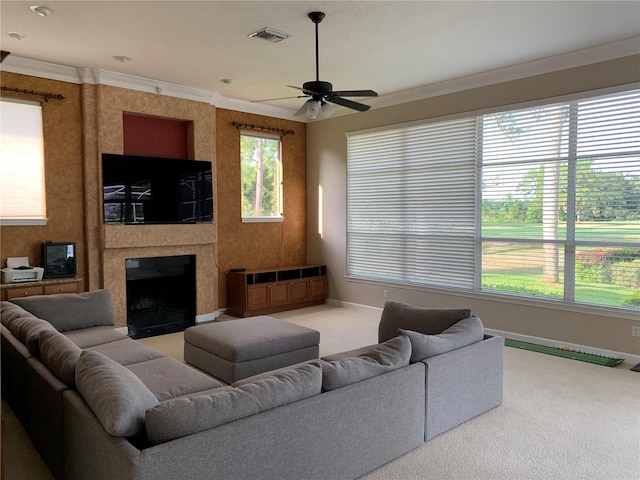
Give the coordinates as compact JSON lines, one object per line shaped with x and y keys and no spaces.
{"x":43,"y":287}
{"x":261,"y":292}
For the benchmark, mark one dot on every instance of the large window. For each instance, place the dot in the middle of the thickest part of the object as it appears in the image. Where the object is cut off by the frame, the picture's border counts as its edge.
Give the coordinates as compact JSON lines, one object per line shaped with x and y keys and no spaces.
{"x":261,"y":171}
{"x":22,"y":192}
{"x":542,"y":202}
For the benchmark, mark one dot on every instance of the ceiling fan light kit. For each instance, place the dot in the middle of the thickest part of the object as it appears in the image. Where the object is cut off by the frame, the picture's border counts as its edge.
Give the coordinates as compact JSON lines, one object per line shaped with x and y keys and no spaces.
{"x":321,"y":93}
{"x":313,"y":107}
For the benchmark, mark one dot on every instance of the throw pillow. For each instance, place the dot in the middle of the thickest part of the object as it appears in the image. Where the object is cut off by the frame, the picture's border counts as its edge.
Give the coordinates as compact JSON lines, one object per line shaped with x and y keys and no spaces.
{"x":9,"y":312}
{"x":465,"y":332}
{"x":116,"y":396}
{"x":60,"y":355}
{"x":183,"y":416}
{"x":27,"y":330}
{"x":382,"y":358}
{"x":71,"y":311}
{"x":427,"y":320}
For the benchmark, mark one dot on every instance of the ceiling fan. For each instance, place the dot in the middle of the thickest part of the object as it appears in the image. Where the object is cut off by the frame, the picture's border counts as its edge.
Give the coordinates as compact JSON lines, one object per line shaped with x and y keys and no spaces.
{"x":321,"y":93}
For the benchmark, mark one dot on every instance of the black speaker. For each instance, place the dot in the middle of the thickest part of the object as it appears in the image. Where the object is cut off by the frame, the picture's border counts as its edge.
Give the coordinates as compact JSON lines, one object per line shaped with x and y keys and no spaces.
{"x":59,"y":259}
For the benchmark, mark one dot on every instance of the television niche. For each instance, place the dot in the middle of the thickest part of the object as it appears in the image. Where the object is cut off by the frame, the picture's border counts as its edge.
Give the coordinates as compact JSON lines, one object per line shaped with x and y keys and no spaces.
{"x":152,"y":190}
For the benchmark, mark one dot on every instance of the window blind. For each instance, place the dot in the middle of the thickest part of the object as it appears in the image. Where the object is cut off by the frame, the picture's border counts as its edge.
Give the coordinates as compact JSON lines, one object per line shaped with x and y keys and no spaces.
{"x":560,"y":199}
{"x":22,"y":189}
{"x":410,"y":208}
{"x":541,"y":201}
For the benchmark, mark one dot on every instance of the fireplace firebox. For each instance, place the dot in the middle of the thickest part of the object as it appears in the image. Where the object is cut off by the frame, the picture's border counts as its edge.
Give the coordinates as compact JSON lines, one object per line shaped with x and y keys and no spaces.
{"x":161,"y":295}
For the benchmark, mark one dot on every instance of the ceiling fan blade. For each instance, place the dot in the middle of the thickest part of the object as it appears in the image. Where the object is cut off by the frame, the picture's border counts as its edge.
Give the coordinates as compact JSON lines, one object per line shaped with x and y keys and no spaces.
{"x":355,"y":93}
{"x":306,"y":91}
{"x":279,"y":98}
{"x":348,"y":103}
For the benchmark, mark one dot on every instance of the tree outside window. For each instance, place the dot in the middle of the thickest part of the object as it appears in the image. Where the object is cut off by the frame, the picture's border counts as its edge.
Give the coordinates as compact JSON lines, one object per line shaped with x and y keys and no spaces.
{"x":261,"y":176}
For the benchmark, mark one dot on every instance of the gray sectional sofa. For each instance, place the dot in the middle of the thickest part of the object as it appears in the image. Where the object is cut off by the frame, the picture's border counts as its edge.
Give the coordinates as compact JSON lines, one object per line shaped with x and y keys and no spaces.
{"x":99,"y":405}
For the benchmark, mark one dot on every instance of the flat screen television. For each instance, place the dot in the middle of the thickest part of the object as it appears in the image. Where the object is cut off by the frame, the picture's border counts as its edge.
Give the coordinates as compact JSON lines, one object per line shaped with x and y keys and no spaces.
{"x":150,"y":190}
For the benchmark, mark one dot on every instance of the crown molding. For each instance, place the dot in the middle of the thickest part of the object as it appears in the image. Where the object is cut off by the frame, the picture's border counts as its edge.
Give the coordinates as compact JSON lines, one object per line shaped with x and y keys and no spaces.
{"x":601,"y":53}
{"x":258,"y":109}
{"x":141,"y":84}
{"x":37,"y":68}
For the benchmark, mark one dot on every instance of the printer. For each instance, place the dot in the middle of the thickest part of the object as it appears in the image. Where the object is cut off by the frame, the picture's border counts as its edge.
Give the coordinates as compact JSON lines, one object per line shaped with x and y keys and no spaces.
{"x":18,"y":270}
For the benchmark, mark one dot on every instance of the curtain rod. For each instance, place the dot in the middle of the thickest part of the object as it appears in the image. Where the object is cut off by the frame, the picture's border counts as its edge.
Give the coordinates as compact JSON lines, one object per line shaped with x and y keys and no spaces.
{"x":46,"y":96}
{"x":260,"y":127}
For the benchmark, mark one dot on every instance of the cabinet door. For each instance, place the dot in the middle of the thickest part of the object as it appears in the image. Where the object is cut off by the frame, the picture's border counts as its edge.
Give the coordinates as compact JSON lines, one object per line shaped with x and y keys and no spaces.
{"x":299,"y":291}
{"x":257,"y":296}
{"x":23,"y":292}
{"x":61,"y":288}
{"x":318,"y":287}
{"x":280,"y":294}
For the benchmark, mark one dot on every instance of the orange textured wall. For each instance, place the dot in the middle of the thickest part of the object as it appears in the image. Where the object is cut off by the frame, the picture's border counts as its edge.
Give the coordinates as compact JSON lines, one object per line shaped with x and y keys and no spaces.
{"x":62,"y":124}
{"x":119,"y":242}
{"x":90,"y":122}
{"x":258,"y":245}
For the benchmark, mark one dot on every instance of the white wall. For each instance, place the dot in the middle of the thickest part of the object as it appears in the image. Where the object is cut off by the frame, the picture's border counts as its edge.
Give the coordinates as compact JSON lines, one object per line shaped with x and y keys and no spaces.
{"x":326,"y":168}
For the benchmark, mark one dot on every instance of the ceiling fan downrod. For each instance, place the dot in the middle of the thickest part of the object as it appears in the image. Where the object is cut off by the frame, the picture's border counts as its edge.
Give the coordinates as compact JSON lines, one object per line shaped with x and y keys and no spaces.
{"x":317,"y":17}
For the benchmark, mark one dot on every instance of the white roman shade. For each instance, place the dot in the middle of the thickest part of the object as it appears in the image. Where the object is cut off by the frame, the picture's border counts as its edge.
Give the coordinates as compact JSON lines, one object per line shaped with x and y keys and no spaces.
{"x":22,"y":188}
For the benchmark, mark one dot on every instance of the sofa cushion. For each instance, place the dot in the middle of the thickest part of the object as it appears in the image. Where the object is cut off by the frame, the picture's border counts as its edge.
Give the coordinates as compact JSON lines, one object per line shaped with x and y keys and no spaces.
{"x":71,"y":311}
{"x":127,"y":351}
{"x":382,"y":358}
{"x":167,"y":378}
{"x":60,"y":355}
{"x":117,"y":397}
{"x":184,"y":416}
{"x":27,"y":330}
{"x":90,"y":337}
{"x":286,"y":385}
{"x":427,"y":320}
{"x":348,"y":353}
{"x":460,"y":334}
{"x":9,"y":312}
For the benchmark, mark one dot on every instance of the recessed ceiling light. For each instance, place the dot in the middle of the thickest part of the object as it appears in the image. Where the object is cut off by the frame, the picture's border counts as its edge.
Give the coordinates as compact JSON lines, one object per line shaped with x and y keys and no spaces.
{"x":17,"y":35}
{"x":41,"y":10}
{"x":122,"y":58}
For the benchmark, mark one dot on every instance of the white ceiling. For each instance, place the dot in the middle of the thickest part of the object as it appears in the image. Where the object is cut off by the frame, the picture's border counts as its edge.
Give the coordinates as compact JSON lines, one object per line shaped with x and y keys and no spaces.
{"x":387,"y":46}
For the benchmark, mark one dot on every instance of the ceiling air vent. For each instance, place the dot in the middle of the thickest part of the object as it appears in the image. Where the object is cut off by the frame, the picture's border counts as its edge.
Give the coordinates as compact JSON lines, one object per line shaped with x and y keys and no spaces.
{"x":270,"y":35}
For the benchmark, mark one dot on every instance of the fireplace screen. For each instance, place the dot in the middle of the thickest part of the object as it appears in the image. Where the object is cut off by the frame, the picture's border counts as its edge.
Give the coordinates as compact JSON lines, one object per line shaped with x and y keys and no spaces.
{"x":161,"y":295}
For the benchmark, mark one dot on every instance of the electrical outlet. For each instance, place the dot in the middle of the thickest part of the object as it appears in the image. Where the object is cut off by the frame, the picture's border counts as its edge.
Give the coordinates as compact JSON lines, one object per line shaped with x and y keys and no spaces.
{"x":385,"y":294}
{"x":635,"y":331}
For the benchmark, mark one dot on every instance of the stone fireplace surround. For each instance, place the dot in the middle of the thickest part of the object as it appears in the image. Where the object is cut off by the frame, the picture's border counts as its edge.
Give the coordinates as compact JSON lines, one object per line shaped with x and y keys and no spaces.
{"x":122,"y":242}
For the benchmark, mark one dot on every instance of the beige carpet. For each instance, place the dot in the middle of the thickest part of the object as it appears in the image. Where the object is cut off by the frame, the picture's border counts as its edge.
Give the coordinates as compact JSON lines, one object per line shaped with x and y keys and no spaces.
{"x":561,"y":419}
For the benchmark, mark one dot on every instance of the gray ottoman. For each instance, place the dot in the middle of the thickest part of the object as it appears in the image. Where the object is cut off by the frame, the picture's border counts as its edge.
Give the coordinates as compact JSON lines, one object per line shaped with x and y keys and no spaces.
{"x":236,"y":349}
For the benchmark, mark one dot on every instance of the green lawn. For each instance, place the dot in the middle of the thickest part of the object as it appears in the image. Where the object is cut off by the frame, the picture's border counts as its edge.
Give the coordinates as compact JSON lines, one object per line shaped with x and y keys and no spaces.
{"x":517,"y":267}
{"x":597,"y":231}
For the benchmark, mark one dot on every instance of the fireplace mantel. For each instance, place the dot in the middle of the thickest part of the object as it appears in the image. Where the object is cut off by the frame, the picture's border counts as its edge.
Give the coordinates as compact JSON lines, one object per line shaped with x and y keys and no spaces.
{"x":144,"y":236}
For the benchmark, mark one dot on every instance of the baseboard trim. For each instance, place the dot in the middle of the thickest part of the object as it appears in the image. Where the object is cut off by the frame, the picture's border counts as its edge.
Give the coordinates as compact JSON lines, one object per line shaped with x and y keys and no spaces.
{"x":547,"y":342}
{"x":207,"y":317}
{"x":340,"y":303}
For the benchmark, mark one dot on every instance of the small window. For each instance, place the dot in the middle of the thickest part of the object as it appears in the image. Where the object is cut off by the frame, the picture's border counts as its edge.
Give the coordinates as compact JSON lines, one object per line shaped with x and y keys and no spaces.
{"x":261,"y":176}
{"x":22,"y":187}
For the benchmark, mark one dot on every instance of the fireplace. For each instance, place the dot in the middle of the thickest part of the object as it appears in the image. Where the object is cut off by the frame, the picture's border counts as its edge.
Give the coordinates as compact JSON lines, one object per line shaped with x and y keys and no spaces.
{"x":161,"y":294}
